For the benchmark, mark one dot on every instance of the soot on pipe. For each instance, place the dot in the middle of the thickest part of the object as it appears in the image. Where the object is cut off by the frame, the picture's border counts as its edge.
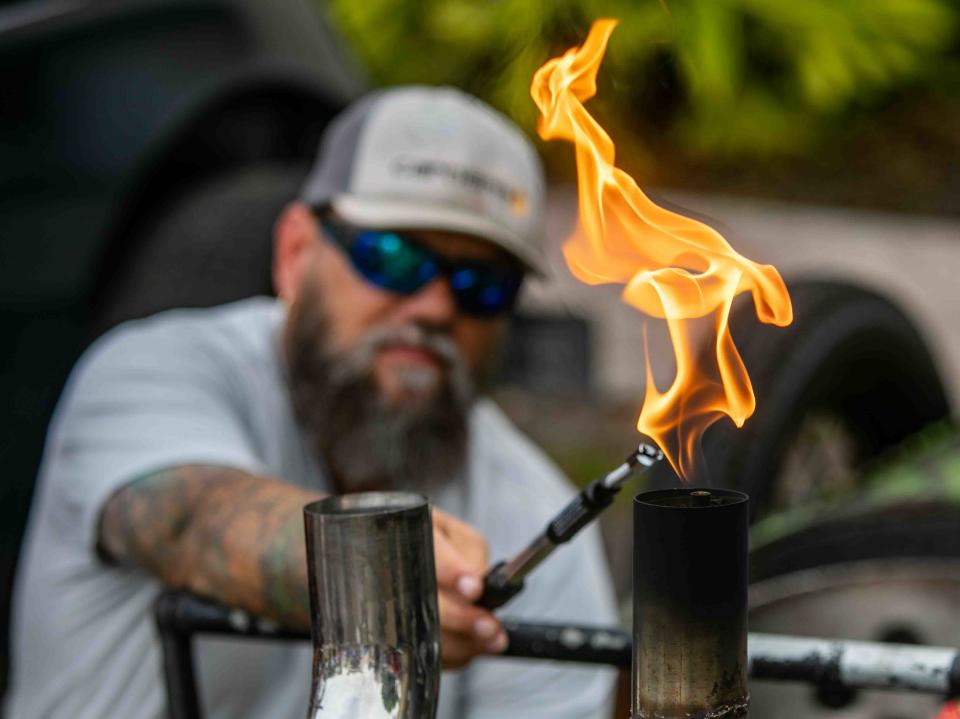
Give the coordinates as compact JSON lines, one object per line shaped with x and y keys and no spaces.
{"x":690,"y":605}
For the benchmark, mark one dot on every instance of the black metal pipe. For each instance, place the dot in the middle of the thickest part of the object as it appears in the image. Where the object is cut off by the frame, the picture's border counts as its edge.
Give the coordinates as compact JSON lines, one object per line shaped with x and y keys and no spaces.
{"x":568,"y":643}
{"x":180,"y":613}
{"x":175,"y":623}
{"x":953,"y":677}
{"x":690,"y":604}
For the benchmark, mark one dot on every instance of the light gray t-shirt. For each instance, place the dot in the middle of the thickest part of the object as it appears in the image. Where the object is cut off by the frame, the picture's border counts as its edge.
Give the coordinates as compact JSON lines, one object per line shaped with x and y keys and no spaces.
{"x":207,"y":386}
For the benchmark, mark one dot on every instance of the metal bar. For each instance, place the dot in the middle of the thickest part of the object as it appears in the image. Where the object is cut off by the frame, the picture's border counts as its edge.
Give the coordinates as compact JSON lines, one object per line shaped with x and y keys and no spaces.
{"x":177,"y":648}
{"x":188,"y":614}
{"x":179,"y":616}
{"x":819,"y":662}
{"x":569,"y":643}
{"x":860,"y":665}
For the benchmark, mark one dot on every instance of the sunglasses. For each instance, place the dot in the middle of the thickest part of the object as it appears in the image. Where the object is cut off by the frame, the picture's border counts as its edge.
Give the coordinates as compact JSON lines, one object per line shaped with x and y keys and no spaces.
{"x":395,"y":262}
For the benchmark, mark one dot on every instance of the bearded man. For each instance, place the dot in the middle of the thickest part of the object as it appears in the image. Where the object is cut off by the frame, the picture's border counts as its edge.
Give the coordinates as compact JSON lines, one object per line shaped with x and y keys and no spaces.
{"x":186,"y":444}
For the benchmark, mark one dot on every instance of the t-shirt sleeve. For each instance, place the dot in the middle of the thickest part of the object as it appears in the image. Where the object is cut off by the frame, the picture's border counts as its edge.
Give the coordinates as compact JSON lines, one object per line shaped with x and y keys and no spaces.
{"x":140,"y":400}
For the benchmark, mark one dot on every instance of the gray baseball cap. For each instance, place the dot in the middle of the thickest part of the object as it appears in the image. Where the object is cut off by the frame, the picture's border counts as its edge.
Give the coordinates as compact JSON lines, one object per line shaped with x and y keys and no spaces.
{"x":432,"y":158}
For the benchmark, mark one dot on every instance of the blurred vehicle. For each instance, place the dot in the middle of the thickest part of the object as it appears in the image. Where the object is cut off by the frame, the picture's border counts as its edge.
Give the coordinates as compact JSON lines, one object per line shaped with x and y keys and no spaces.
{"x":145,"y":148}
{"x":849,"y":380}
{"x":881,"y":566}
{"x":871,"y":357}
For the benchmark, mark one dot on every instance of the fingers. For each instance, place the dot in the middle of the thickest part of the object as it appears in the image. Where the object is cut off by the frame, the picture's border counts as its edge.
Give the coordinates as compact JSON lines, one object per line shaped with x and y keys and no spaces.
{"x":468,"y":620}
{"x":455,"y":574}
{"x":464,"y":537}
{"x":467,"y":631}
{"x":461,"y":557}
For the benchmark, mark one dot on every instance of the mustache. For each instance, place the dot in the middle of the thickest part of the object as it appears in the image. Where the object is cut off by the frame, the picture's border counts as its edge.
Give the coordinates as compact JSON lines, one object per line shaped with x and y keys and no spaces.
{"x":437,"y":342}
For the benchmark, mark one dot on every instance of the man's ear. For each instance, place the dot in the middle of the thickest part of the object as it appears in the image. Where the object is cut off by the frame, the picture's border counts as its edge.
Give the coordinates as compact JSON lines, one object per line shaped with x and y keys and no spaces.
{"x":294,"y":242}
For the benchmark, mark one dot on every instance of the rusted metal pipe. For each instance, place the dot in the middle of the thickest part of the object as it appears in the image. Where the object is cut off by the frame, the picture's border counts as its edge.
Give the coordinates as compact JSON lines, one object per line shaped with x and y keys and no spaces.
{"x":373,"y":598}
{"x":690,"y":605}
{"x":834,"y":663}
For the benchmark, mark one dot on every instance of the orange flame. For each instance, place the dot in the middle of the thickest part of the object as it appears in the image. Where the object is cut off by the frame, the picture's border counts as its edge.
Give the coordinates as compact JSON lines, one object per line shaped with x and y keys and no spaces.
{"x":672,"y":267}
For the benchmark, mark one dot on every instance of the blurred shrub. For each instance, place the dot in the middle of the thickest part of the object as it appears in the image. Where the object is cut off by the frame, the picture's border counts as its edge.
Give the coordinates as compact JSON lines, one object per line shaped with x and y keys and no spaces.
{"x":731,"y":77}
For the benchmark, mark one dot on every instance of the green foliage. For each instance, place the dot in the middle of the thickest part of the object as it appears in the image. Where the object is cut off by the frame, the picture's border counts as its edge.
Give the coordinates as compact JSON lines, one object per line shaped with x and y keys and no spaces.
{"x":741,"y":76}
{"x":925,"y":467}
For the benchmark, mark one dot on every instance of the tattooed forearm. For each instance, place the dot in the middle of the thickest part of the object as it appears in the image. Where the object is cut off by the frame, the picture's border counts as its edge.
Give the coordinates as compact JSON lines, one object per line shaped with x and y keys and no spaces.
{"x":219,"y":532}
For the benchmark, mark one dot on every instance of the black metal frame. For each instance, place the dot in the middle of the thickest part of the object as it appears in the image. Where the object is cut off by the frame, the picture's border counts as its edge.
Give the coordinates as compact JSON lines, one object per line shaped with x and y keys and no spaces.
{"x":181,"y":616}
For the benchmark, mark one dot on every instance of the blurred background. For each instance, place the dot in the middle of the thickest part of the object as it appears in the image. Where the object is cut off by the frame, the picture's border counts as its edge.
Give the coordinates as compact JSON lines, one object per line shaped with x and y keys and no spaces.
{"x":146,"y":146}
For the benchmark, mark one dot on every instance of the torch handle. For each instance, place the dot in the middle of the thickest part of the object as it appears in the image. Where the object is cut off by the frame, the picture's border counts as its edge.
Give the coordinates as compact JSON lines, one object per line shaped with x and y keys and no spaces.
{"x":583,"y":509}
{"x":498,"y":589}
{"x":505,"y":580}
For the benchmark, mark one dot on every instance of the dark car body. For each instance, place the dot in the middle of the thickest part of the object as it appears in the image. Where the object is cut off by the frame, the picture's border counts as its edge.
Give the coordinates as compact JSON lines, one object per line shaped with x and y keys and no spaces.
{"x":107,"y":109}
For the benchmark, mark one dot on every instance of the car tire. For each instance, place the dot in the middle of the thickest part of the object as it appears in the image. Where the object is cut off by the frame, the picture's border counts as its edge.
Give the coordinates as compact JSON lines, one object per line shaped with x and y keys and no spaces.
{"x":911,"y":529}
{"x":880,"y":574}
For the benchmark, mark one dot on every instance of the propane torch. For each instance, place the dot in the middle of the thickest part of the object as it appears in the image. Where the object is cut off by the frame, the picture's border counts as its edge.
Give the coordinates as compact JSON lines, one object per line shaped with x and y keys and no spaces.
{"x":505,"y":579}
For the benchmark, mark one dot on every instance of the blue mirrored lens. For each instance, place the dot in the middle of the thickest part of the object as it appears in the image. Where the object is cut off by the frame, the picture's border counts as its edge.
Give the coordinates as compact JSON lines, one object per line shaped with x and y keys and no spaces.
{"x":391,"y":262}
{"x":483,"y":291}
{"x":463,"y":279}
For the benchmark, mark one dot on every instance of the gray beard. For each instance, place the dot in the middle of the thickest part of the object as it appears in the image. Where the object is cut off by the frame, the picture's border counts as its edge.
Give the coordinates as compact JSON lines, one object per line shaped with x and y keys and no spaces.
{"x":369,"y":443}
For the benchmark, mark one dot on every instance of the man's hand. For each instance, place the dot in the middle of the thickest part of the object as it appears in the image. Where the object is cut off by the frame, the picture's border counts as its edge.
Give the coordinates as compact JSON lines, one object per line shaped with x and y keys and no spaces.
{"x":465,"y":630}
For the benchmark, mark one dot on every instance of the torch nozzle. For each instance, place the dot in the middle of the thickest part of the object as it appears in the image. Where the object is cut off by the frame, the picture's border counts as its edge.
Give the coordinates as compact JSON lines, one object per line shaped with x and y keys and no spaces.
{"x":645,"y":455}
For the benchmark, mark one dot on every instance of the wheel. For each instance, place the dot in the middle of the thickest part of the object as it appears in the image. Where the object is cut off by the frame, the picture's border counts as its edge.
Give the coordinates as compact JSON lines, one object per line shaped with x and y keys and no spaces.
{"x":904,"y":601}
{"x":888,"y":575}
{"x":848,"y":379}
{"x":209,"y":244}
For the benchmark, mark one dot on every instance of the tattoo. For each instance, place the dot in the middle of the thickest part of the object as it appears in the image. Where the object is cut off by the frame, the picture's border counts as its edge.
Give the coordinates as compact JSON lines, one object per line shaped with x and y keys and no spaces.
{"x":219,"y":532}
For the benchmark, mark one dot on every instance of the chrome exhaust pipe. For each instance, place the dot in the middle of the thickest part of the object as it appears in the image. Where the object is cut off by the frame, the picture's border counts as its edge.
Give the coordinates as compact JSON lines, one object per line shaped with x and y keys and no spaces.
{"x":690,"y":605}
{"x":373,"y":597}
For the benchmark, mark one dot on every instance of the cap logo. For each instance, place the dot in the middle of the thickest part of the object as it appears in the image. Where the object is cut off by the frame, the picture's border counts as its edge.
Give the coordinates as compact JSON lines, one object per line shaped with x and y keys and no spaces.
{"x":515,"y":199}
